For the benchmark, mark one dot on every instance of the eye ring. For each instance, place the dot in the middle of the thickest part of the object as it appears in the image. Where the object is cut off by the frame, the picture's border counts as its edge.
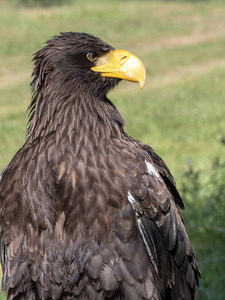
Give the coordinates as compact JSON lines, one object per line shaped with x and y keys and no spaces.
{"x":93,"y":56}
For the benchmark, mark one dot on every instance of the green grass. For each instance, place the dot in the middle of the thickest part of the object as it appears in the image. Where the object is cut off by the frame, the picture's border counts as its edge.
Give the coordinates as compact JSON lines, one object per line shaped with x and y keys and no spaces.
{"x":180,"y":112}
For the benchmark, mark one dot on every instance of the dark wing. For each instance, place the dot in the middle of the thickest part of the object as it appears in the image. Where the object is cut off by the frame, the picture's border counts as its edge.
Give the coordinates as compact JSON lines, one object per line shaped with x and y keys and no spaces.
{"x":2,"y":246}
{"x":38,"y":257}
{"x":27,"y":215}
{"x":156,"y":202}
{"x":165,"y":174}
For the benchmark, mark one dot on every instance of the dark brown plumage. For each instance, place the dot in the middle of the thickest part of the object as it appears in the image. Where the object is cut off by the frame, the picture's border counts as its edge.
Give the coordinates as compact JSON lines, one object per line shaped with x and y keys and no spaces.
{"x":87,"y":212}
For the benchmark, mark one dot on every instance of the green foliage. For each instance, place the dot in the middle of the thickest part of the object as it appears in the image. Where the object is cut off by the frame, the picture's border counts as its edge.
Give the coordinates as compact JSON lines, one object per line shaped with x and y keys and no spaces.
{"x":43,"y":3}
{"x":205,"y":203}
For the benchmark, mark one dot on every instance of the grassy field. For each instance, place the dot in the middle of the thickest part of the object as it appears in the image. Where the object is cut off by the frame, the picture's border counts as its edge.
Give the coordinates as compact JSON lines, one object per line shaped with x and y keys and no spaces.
{"x":180,"y":112}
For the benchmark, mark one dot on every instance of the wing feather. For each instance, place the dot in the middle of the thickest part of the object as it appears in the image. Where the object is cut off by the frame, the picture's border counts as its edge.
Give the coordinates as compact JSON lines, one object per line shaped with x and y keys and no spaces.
{"x":162,"y":229}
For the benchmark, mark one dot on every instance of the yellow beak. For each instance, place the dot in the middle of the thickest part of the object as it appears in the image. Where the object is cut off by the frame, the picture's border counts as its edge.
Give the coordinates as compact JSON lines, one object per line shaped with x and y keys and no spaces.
{"x":121,"y":64}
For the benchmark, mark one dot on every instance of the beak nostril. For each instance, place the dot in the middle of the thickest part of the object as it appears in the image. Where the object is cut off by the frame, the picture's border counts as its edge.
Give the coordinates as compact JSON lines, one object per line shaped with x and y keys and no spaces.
{"x":123,"y":59}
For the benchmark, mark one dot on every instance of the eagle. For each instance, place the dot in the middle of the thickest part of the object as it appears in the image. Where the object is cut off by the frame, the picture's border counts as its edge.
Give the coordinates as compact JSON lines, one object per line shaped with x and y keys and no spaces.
{"x":86,"y":211}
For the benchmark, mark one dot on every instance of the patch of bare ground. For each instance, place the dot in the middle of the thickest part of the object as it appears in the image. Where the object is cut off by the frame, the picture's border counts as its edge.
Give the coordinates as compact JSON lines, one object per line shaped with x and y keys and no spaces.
{"x":34,"y":12}
{"x":193,"y":39}
{"x":189,"y":72}
{"x":9,"y":78}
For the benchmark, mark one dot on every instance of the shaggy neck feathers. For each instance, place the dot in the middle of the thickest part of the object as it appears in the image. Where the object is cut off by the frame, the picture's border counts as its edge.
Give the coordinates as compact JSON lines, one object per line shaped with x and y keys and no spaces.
{"x":72,"y":116}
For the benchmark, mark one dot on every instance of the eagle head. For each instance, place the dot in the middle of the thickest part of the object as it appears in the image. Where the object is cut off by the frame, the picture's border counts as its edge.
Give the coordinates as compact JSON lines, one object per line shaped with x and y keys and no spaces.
{"x":80,"y":61}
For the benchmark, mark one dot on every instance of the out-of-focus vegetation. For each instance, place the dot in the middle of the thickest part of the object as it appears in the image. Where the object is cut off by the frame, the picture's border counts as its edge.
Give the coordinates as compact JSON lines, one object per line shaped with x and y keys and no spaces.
{"x":205,"y":223}
{"x":180,"y":112}
{"x":40,"y":3}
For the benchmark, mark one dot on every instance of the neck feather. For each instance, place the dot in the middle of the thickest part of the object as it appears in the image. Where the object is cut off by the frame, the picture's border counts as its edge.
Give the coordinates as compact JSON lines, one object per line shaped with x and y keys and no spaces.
{"x":72,"y":117}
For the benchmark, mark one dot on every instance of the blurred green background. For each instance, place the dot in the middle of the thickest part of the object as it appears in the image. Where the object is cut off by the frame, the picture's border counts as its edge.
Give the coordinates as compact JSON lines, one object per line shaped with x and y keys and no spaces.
{"x":180,"y":112}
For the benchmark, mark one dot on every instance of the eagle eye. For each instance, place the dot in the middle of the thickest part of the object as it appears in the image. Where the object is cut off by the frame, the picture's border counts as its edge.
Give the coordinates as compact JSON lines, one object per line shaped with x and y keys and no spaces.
{"x":93,"y":56}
